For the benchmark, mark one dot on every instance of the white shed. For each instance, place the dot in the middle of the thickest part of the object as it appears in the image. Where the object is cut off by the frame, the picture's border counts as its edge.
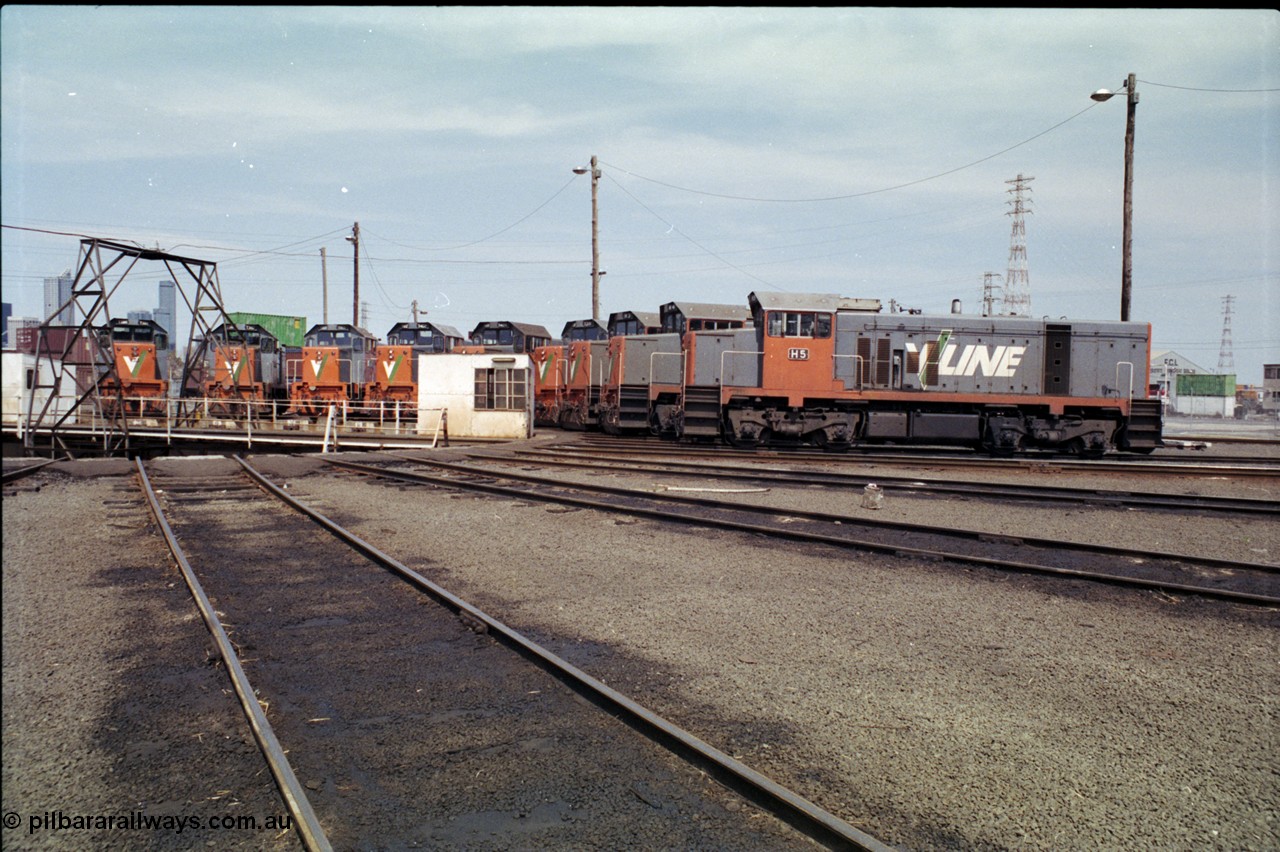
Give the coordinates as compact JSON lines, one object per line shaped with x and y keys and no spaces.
{"x":484,"y":396}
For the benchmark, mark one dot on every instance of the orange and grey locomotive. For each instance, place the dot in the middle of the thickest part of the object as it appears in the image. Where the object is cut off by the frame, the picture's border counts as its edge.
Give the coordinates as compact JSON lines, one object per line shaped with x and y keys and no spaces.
{"x":395,"y":379}
{"x":244,"y":364}
{"x":337,"y":363}
{"x":834,"y":372}
{"x":135,"y":382}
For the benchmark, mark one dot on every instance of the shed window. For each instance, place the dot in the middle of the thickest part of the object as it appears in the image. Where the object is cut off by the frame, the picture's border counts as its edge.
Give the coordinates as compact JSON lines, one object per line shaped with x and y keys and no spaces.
{"x":500,"y":389}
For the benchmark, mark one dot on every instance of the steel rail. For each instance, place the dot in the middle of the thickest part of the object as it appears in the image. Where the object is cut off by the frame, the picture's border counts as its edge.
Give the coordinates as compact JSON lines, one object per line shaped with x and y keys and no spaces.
{"x":811,"y":819}
{"x":309,"y":828}
{"x":913,"y":456}
{"x":903,"y":483}
{"x":817,"y":538}
{"x":827,"y":517}
{"x":15,"y":475}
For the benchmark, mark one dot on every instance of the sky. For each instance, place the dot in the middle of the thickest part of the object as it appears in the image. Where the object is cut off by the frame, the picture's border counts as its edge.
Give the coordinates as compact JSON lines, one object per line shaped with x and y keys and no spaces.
{"x":866,"y":152}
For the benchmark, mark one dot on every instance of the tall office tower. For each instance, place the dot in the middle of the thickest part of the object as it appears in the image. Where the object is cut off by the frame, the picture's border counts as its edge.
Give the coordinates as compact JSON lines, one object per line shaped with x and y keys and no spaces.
{"x":57,"y":292}
{"x":1017,"y":284}
{"x":166,"y":313}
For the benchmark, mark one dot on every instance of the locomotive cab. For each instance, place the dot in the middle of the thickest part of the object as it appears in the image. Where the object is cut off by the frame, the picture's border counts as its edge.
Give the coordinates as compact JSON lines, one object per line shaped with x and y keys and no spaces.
{"x":506,"y":336}
{"x":136,"y":375}
{"x":337,"y":363}
{"x":396,"y":374}
{"x":634,"y":322}
{"x":243,"y":363}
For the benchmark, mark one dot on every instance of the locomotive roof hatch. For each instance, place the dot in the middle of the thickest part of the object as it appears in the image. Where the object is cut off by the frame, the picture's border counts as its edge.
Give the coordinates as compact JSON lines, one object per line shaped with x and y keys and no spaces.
{"x":250,"y":332}
{"x":527,"y":329}
{"x":340,"y":334}
{"x":584,"y":329}
{"x":648,"y":319}
{"x":702,"y":310}
{"x":135,"y":331}
{"x":444,"y":330}
{"x":812,"y":302}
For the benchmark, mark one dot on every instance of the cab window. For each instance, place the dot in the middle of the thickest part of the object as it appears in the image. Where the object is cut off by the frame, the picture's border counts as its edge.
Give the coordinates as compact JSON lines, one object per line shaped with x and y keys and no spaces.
{"x":799,"y":324}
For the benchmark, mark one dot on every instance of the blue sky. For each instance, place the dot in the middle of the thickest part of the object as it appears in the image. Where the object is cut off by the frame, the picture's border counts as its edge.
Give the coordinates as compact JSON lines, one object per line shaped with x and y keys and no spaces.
{"x":856,"y":151}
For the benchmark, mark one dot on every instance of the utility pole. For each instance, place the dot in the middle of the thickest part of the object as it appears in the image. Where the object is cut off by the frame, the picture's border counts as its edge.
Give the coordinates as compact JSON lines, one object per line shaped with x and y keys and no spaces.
{"x":1126,"y":264}
{"x":354,"y":239}
{"x":415,"y":311}
{"x":324,"y":277}
{"x":1126,"y":239}
{"x":595,"y":236}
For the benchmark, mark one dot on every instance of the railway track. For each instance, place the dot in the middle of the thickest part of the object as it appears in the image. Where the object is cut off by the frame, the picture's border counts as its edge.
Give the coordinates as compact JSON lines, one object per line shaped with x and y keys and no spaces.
{"x":372,"y":694}
{"x":1244,"y":466}
{"x":921,"y":484}
{"x":18,"y":473}
{"x":1168,"y":573}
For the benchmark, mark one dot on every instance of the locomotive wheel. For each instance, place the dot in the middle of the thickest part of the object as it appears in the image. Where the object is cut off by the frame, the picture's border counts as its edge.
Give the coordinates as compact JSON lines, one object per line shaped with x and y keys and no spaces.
{"x":1080,"y":448}
{"x":748,"y":442}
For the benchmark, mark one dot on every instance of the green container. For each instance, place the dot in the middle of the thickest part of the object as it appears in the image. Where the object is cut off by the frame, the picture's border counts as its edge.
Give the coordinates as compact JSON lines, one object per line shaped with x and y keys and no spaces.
{"x":288,"y":330}
{"x":1190,"y":384}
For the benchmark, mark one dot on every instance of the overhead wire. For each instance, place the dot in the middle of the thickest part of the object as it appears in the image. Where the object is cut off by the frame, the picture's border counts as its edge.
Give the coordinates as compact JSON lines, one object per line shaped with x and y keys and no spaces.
{"x":855,"y":194}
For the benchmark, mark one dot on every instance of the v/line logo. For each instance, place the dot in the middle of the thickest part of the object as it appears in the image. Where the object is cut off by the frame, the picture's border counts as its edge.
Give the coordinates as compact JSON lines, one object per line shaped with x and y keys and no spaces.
{"x":134,"y":364}
{"x":971,"y":359}
{"x":391,"y":367}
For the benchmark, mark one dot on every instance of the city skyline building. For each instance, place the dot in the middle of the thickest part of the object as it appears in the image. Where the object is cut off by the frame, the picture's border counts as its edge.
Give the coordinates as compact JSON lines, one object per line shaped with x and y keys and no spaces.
{"x":166,"y":312}
{"x":57,"y":293}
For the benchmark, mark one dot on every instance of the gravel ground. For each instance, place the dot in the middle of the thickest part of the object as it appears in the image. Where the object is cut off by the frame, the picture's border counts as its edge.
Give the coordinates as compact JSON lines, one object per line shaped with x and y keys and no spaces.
{"x":113,"y":707}
{"x":934,"y":707}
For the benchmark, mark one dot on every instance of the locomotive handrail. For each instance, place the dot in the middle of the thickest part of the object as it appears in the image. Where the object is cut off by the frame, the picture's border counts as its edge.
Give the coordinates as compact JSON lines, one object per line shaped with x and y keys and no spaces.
{"x":559,"y":377}
{"x":859,"y":369}
{"x":1128,"y":364}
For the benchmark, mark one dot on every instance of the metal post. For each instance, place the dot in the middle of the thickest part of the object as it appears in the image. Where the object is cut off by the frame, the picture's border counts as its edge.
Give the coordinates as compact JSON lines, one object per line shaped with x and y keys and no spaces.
{"x":595,"y":240}
{"x":324,"y":277}
{"x":354,"y":239}
{"x":595,"y":235}
{"x":1126,"y":271}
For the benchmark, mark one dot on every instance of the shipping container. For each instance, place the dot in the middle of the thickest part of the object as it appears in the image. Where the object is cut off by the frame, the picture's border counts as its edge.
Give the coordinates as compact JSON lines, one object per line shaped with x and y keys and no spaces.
{"x":288,"y":330}
{"x":1189,"y":384}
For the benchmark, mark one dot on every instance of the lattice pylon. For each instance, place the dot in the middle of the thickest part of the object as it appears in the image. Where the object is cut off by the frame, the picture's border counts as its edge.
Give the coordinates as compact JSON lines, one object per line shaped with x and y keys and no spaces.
{"x":1016,"y":297}
{"x":1226,"y":357}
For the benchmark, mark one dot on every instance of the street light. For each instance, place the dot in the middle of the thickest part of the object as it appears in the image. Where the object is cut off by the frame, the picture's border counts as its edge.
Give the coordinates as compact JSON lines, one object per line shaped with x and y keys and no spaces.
{"x":354,"y":239}
{"x":595,"y":237}
{"x":1126,"y":268}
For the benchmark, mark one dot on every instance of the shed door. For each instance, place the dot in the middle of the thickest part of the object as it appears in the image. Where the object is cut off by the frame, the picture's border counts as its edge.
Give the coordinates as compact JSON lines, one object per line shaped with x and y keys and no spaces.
{"x":1057,"y":360}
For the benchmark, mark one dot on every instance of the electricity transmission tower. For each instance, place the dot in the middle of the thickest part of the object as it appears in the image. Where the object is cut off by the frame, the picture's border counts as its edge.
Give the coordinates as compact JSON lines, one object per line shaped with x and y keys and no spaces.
{"x":1226,"y":359}
{"x":989,"y":292}
{"x":1017,"y":286}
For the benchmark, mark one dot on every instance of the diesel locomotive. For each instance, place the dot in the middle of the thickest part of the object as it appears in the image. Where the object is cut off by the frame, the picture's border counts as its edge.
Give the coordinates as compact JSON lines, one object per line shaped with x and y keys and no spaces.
{"x":395,"y":380}
{"x":136,"y":382}
{"x":244,"y":364}
{"x":835,"y":372}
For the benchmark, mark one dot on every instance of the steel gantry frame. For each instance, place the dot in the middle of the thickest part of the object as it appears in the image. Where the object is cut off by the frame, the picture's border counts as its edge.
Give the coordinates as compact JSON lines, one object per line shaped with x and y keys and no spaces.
{"x":79,"y":360}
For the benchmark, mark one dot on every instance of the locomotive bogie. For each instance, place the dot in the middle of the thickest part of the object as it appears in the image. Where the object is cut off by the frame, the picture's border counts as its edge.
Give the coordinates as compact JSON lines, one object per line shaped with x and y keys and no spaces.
{"x":763,"y":424}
